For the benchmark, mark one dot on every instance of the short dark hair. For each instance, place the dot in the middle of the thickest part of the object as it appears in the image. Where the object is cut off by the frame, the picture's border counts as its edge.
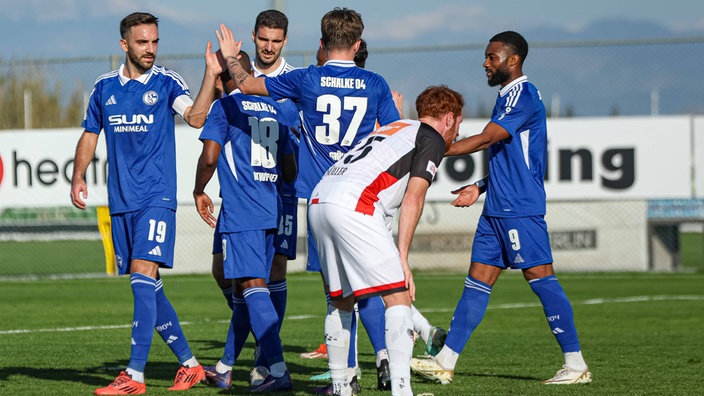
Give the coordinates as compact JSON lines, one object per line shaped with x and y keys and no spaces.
{"x":438,"y":100}
{"x":515,"y":41}
{"x":227,"y":83}
{"x":360,"y":58}
{"x":134,"y":19}
{"x":273,"y":19}
{"x":341,"y":28}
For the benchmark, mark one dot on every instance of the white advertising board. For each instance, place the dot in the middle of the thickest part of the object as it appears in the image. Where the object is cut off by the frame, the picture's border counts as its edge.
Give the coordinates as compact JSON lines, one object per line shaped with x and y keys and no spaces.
{"x":589,"y":158}
{"x":36,"y":168}
{"x":597,"y":158}
{"x":698,"y":161}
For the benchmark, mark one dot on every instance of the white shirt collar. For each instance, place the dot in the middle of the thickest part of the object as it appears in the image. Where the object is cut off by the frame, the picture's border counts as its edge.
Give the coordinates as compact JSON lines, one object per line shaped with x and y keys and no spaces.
{"x":124,"y":79}
{"x":279,"y":70}
{"x":341,"y":63}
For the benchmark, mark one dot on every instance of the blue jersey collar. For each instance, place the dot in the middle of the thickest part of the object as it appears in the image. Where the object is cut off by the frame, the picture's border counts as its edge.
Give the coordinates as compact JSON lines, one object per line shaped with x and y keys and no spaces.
{"x":512,"y":84}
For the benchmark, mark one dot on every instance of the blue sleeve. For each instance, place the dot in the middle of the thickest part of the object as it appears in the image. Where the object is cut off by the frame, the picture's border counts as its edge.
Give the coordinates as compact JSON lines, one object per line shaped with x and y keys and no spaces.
{"x":216,"y":125}
{"x":93,"y":121}
{"x":178,"y":88}
{"x":387,"y":112}
{"x":511,"y":118}
{"x":287,"y":85}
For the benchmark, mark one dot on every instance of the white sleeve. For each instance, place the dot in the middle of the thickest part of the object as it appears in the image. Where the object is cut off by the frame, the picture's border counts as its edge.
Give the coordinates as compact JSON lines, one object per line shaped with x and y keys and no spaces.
{"x":181,"y":104}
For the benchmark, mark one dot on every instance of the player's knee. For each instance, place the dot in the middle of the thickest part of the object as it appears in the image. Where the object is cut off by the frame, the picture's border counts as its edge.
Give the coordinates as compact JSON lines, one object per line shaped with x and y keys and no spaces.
{"x":343,"y":304}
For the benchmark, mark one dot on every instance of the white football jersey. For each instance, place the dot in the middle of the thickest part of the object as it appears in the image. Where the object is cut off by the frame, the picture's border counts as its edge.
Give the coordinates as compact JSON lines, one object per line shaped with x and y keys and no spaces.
{"x":375,"y":173}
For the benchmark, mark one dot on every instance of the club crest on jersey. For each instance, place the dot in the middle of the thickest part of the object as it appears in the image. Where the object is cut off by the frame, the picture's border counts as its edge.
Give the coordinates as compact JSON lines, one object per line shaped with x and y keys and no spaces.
{"x":150,"y":98}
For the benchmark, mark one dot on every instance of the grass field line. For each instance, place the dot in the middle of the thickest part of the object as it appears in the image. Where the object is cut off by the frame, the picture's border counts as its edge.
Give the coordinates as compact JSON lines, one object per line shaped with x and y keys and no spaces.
{"x":592,"y":301}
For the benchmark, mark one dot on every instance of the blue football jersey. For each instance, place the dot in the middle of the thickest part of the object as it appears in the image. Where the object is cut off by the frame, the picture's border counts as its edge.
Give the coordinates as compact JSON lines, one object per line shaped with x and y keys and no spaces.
{"x":517,"y":164}
{"x":253,"y":137}
{"x":137,"y":117}
{"x":290,"y":111}
{"x":340,"y":104}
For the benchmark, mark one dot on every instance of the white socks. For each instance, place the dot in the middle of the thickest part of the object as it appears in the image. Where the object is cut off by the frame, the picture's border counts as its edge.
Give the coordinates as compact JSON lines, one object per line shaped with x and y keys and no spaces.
{"x":447,"y":358}
{"x":399,"y":344}
{"x":575,"y":361}
{"x":337,"y":339}
{"x":420,"y":324}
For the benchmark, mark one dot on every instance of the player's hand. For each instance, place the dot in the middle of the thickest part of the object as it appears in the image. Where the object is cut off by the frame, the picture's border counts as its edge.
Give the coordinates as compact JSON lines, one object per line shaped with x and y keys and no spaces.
{"x":228,"y":45}
{"x":79,"y":192}
{"x":398,"y":102}
{"x":205,"y":208}
{"x":410,"y":284}
{"x":213,"y":63}
{"x":466,"y":196}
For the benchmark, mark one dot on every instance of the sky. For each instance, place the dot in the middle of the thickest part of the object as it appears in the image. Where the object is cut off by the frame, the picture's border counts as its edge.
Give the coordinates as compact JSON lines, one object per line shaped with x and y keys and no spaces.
{"x":592,"y":81}
{"x":56,"y":28}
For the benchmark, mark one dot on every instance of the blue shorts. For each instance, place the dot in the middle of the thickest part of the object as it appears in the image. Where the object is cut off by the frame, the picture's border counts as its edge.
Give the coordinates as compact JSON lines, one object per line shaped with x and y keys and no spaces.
{"x":286,"y":238}
{"x":313,"y":263}
{"x":147,"y":234}
{"x":217,"y":237}
{"x":520,"y":242}
{"x":248,"y":254}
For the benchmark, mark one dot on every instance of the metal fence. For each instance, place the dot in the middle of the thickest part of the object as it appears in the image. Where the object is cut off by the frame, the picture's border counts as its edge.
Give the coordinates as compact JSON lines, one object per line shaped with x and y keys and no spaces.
{"x":589,"y":78}
{"x":576,"y":79}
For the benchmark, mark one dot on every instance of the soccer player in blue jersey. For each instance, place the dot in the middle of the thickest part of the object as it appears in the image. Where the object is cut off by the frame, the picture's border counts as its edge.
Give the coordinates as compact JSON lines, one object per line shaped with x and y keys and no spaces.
{"x":135,"y":107}
{"x":245,"y":138}
{"x":269,"y":37}
{"x":340,"y":103}
{"x":512,"y":232}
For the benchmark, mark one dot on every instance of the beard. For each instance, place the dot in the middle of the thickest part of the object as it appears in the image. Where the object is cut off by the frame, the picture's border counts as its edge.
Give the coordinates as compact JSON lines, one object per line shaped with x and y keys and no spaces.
{"x":141,"y":63}
{"x":267,"y":62}
{"x":498,"y":77}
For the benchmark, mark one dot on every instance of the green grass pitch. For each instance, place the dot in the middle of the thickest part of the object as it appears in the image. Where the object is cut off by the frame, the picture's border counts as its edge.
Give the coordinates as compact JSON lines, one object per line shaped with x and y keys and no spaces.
{"x":641,"y":334}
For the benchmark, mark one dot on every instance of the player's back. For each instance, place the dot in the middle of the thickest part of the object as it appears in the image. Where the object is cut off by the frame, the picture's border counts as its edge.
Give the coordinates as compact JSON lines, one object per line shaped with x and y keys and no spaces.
{"x":340,"y":105}
{"x":376,"y":171}
{"x":253,"y":136}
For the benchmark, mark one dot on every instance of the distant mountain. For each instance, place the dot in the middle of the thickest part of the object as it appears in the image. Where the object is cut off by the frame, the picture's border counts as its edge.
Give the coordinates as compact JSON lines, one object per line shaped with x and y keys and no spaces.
{"x":584,"y":81}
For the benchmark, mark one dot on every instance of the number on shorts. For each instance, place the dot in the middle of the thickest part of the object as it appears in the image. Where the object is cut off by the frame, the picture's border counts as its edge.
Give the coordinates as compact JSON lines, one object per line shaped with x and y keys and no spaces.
{"x":286,"y":225}
{"x":157,"y":230}
{"x":265,"y":135}
{"x":513,"y":237}
{"x":331,"y":106}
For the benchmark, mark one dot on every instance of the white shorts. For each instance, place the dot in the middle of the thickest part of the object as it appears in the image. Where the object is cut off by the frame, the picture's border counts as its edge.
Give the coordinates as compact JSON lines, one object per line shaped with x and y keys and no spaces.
{"x":357,"y":252}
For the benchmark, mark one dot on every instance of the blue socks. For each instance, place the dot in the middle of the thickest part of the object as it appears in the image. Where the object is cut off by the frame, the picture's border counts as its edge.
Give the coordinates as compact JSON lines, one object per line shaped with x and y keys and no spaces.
{"x":169,"y":327}
{"x":143,"y":319}
{"x":371,"y":312}
{"x":227,"y":292}
{"x":238,"y":331}
{"x":352,"y":354}
{"x":265,"y":323}
{"x":278,"y":293}
{"x":558,"y":312}
{"x":468,"y":313}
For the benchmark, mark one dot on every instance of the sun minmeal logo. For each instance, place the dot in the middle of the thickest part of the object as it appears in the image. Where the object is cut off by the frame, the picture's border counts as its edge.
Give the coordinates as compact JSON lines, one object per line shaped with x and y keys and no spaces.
{"x":150,"y":98}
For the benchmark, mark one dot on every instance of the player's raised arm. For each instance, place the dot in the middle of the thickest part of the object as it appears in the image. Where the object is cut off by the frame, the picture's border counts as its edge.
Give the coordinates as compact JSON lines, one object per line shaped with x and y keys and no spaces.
{"x":196,"y":114}
{"x":243,"y":80}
